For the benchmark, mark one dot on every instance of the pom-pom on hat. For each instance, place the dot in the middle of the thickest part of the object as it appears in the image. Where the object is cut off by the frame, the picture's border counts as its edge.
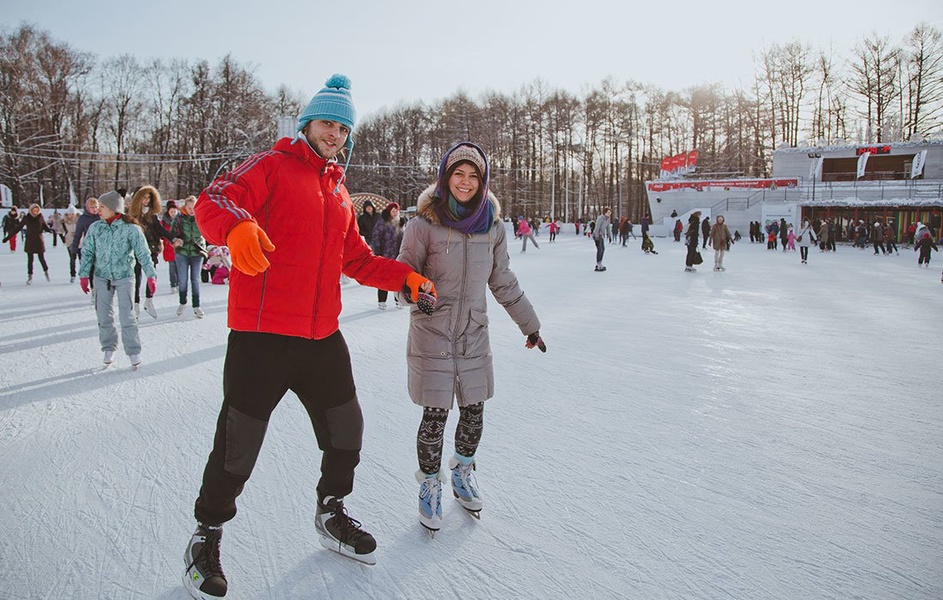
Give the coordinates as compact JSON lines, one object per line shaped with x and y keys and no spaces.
{"x":112,"y":200}
{"x":332,"y":103}
{"x":170,"y":204}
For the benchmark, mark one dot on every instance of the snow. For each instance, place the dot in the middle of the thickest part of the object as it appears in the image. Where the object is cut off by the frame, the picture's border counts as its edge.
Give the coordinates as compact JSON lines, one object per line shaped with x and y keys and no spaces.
{"x":774,"y":431}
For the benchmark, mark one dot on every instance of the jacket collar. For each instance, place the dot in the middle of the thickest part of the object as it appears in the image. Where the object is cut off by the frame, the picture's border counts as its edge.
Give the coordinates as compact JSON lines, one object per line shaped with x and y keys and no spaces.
{"x":300,"y":148}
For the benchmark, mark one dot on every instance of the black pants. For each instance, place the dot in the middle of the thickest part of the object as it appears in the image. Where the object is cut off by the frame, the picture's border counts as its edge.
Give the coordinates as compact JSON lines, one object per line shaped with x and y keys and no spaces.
{"x":259,"y":369}
{"x":804,"y":252}
{"x":138,"y":276}
{"x":692,"y":252}
{"x":29,"y":261}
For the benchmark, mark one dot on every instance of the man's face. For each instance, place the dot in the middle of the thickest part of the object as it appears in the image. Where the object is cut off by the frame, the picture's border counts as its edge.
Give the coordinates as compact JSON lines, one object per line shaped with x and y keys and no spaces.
{"x":326,"y":137}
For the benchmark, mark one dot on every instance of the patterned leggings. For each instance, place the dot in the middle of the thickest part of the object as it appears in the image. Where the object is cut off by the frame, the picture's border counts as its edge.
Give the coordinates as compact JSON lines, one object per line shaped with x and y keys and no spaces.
{"x":432,"y":431}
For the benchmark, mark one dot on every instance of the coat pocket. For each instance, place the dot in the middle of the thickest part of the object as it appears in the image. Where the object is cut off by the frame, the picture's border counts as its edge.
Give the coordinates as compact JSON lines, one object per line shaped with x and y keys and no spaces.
{"x":475,"y":340}
{"x":429,"y":334}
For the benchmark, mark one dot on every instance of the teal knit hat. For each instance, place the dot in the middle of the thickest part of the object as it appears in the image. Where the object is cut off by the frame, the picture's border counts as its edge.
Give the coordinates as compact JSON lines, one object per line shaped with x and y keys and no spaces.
{"x":332,"y":103}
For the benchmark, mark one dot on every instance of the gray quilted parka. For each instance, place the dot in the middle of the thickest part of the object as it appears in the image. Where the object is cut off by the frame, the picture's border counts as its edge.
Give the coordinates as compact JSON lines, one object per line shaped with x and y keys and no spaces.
{"x":448,"y":353}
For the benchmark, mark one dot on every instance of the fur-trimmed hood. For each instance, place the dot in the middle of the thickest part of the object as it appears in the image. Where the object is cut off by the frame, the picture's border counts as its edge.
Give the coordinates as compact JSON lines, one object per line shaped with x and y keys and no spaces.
{"x":425,"y":206}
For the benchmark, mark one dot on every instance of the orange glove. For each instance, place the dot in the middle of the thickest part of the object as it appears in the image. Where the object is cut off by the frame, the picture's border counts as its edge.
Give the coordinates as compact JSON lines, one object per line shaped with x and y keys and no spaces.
{"x":416,"y":283}
{"x":246,"y":241}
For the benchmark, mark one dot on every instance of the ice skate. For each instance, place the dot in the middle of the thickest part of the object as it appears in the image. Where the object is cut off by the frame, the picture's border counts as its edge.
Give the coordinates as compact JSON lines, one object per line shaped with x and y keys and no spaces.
{"x":149,"y":307}
{"x":180,"y":309}
{"x":109,"y":357}
{"x":430,"y":500}
{"x":135,"y":360}
{"x":204,"y":578}
{"x":342,"y":534}
{"x":464,"y":486}
{"x":198,"y":312}
{"x":29,"y":280}
{"x":381,"y":305}
{"x":46,"y":273}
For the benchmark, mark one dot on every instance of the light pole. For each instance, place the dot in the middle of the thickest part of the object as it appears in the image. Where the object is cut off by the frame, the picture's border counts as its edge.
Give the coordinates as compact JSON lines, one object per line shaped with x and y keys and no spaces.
{"x":815,"y":156}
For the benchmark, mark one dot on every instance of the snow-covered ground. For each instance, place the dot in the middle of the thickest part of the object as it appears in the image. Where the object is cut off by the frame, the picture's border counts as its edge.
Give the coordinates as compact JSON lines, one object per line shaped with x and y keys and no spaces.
{"x":775,"y":432}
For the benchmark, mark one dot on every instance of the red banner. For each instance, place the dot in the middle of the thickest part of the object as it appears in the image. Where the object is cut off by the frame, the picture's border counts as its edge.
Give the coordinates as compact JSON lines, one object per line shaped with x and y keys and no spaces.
{"x":756,"y":184}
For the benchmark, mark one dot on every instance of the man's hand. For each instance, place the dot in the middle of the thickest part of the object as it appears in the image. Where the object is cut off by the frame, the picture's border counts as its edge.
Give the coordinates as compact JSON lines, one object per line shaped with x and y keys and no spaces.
{"x":246,"y":241}
{"x":416,"y":283}
{"x":151,"y":285}
{"x":534,"y":340}
{"x":83,"y":283}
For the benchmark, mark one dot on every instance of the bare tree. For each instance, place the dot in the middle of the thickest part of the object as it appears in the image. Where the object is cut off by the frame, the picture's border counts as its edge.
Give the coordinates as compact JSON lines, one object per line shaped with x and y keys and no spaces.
{"x":122,"y":83}
{"x":874,"y":79}
{"x":923,"y":76}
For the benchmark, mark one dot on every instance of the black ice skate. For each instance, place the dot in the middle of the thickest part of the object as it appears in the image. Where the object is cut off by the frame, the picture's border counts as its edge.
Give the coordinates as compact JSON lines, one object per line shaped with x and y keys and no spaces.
{"x":342,"y":534}
{"x":204,"y":578}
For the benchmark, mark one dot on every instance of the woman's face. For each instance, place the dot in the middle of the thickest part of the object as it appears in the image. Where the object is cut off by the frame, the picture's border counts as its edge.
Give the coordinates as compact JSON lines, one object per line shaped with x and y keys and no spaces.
{"x":464,"y":183}
{"x":172,"y":212}
{"x":105,"y":212}
{"x":394,"y":213}
{"x":34,"y":210}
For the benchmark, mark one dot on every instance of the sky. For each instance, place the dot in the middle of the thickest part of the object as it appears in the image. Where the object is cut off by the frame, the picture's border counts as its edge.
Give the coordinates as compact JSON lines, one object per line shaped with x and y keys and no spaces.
{"x":774,"y":431}
{"x":423,"y":50}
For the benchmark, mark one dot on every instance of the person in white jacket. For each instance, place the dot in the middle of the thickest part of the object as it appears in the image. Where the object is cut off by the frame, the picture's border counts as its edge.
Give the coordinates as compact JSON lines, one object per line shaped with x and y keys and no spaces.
{"x":805,"y":238}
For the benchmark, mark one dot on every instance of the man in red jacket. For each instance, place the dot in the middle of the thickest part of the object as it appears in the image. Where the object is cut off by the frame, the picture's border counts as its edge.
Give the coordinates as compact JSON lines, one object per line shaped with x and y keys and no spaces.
{"x":291,"y":231}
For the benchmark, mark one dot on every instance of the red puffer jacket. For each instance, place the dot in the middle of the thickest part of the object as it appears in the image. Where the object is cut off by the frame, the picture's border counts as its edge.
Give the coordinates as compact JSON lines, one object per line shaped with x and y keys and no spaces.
{"x":289,"y":192}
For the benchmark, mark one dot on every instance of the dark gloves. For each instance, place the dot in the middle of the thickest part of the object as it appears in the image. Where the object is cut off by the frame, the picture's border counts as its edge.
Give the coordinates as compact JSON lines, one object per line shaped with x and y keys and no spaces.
{"x":533,"y":340}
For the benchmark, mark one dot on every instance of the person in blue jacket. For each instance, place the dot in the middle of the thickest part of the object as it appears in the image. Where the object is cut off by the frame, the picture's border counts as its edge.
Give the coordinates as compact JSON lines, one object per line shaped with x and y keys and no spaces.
{"x":111,"y":246}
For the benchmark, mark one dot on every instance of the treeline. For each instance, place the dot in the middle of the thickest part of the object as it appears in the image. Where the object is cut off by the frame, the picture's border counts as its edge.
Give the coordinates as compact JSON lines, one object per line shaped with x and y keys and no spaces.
{"x":67,"y":118}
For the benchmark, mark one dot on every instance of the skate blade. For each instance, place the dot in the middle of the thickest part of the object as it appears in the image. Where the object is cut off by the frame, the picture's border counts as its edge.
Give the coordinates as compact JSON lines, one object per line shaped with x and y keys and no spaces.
{"x":367,"y":559}
{"x":429,"y":530}
{"x":474,"y":513}
{"x":194,"y":592}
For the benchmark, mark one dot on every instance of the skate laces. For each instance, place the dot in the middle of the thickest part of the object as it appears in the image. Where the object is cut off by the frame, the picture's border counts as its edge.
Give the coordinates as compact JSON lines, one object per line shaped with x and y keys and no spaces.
{"x":466,"y":479}
{"x":348,"y":528}
{"x":431,"y":492}
{"x":207,"y":559}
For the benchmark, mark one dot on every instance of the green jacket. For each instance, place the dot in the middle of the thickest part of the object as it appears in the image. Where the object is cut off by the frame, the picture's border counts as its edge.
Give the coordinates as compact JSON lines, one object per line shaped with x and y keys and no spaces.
{"x":184,"y":227}
{"x":113,"y":248}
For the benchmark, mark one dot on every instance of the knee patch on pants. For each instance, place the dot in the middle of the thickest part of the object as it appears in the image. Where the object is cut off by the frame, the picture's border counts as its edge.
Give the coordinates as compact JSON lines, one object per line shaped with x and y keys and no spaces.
{"x":345,"y":425}
{"x":244,"y":436}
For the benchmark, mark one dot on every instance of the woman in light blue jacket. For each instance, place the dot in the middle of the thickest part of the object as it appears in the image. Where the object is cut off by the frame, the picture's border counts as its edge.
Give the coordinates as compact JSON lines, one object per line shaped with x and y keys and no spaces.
{"x":111,"y":246}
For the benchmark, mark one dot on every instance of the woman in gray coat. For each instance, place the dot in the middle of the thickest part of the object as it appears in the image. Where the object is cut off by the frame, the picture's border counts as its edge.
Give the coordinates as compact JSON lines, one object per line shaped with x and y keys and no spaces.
{"x":458,"y":241}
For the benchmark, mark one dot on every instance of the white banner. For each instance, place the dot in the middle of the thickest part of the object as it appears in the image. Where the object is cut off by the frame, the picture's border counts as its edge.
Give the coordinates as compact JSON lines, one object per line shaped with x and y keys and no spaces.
{"x":815,"y":169}
{"x":862,"y":163}
{"x":6,"y":196}
{"x":73,"y":201}
{"x":916,"y":169}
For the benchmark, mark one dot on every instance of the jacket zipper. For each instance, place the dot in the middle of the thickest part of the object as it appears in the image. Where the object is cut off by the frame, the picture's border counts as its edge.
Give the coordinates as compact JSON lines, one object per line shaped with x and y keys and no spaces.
{"x":461,"y":306}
